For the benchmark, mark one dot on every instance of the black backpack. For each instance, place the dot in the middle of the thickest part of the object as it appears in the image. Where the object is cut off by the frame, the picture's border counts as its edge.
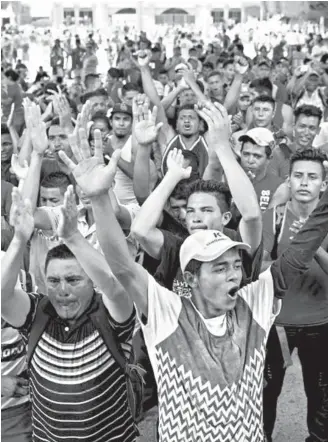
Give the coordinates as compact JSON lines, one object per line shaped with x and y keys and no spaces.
{"x":133,"y":373}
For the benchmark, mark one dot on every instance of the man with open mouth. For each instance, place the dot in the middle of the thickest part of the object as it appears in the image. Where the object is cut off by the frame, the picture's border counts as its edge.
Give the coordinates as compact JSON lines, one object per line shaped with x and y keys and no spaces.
{"x":208,"y":351}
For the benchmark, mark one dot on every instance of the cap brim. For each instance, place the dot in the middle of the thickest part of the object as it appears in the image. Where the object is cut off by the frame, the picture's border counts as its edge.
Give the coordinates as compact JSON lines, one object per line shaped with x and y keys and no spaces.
{"x":218,"y":253}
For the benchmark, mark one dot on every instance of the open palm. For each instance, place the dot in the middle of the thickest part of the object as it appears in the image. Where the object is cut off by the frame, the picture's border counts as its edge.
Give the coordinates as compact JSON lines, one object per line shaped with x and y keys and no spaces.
{"x":91,"y":173}
{"x":145,"y":128}
{"x":21,"y":217}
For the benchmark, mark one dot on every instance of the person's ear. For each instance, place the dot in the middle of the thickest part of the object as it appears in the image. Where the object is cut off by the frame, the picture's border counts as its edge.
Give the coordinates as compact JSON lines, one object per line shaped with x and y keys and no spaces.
{"x":190,"y":279}
{"x":288,"y":182}
{"x":323,"y":186}
{"x":226,"y":217}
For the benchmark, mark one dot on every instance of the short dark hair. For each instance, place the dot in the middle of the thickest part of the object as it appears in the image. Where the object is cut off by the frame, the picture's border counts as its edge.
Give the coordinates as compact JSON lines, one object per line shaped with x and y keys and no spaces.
{"x":227,"y":62}
{"x":261,"y":83}
{"x":56,"y":180}
{"x":13,"y":75}
{"x":309,"y":111}
{"x":214,"y":74}
{"x":315,"y":155}
{"x":130,"y":87}
{"x":4,"y":129}
{"x":180,"y":191}
{"x":59,"y":252}
{"x":208,"y":64}
{"x":115,"y":73}
{"x":193,"y":266}
{"x":268,"y":149}
{"x":219,"y":190}
{"x":265,"y":99}
{"x":99,"y":115}
{"x":186,"y":107}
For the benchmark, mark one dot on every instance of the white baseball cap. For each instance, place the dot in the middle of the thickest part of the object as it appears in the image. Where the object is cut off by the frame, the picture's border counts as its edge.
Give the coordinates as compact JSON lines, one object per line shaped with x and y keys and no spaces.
{"x":205,"y":246}
{"x":260,"y":136}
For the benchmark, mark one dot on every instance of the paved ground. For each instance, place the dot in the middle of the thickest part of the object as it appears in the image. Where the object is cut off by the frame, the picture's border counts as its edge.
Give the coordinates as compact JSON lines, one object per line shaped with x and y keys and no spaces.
{"x":291,"y":419}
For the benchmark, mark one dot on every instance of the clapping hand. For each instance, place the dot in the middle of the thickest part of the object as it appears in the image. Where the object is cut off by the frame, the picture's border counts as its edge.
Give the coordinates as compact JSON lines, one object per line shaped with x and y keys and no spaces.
{"x":217,"y":119}
{"x":145,"y":128}
{"x":175,"y":165}
{"x":90,"y":172}
{"x":21,"y":216}
{"x":67,"y":226}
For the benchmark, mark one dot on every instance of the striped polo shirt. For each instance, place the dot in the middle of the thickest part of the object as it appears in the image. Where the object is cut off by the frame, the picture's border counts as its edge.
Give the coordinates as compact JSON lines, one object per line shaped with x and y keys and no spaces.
{"x":78,"y":390}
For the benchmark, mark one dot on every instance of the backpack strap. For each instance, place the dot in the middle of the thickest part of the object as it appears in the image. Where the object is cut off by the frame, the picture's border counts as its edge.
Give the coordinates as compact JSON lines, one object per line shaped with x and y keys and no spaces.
{"x":39,"y":324}
{"x":101,"y":322}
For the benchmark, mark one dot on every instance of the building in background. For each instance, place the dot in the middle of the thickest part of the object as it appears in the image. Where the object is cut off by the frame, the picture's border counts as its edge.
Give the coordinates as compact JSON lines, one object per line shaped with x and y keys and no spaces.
{"x":142,"y":14}
{"x":15,"y":13}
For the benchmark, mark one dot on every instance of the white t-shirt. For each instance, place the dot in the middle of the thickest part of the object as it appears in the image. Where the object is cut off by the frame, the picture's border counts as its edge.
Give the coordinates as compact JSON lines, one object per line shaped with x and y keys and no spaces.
{"x":209,"y":376}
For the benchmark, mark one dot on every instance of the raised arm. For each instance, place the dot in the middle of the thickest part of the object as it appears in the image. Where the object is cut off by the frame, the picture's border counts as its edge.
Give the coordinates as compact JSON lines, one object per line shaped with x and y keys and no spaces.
{"x":95,"y":179}
{"x":145,"y":132}
{"x":12,"y":295}
{"x":144,"y":227}
{"x":241,"y":188}
{"x":92,"y":261}
{"x":30,"y":190}
{"x":296,"y":259}
{"x":150,"y":90}
{"x":241,"y":67}
{"x":12,"y":130}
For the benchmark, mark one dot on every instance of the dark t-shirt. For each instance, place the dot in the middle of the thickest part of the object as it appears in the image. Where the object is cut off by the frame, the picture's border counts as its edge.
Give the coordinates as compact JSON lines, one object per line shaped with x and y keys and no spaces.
{"x":169,"y":274}
{"x":265,"y":188}
{"x":306,"y":302}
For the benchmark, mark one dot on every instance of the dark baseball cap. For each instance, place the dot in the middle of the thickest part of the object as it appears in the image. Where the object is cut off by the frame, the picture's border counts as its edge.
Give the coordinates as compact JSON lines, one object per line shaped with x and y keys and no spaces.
{"x":122,"y":108}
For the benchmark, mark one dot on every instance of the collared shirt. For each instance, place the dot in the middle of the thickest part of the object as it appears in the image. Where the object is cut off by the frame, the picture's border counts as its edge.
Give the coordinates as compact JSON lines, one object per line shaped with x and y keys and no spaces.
{"x":78,"y":390}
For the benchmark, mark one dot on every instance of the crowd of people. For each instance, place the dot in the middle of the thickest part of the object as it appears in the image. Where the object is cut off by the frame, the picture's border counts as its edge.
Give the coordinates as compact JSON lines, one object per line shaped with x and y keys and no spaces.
{"x":164,"y":236}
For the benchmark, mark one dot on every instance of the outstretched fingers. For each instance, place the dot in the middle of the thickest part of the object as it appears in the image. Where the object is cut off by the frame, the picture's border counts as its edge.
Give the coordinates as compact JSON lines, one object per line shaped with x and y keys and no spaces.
{"x":73,"y":142}
{"x":84,"y":144}
{"x":67,"y":161}
{"x":98,"y":149}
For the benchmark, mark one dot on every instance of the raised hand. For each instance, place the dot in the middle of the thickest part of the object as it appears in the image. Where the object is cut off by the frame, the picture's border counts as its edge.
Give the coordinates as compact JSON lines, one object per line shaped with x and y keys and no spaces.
{"x":175,"y":161}
{"x":143,"y":58}
{"x":188,"y":76}
{"x":62,"y":108}
{"x":20,"y":171}
{"x":36,"y":127}
{"x":83,"y":118}
{"x":67,"y":226}
{"x":241,"y":65}
{"x":90,"y":172}
{"x":145,"y":128}
{"x":217,"y":119}
{"x":21,"y":216}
